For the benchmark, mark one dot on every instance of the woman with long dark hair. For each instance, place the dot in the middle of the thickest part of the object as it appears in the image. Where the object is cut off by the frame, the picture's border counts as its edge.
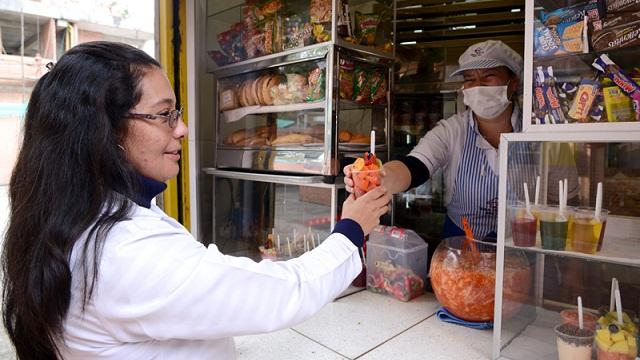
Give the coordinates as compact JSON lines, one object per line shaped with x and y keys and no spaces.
{"x":92,"y":269}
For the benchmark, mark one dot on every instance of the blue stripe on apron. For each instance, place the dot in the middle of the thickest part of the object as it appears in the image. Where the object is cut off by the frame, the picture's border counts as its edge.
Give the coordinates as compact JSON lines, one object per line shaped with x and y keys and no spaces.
{"x":475,"y":193}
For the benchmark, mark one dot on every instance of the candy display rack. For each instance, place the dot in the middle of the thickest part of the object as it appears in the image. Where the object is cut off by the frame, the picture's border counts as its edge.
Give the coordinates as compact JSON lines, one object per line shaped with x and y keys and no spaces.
{"x":569,"y":85}
{"x":561,"y":275}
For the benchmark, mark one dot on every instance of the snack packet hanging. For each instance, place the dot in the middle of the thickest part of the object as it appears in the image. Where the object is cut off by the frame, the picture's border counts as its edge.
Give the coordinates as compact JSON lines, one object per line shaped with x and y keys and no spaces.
{"x":367,"y":26}
{"x":316,"y":84}
{"x":345,"y":79}
{"x":378,"y":87}
{"x":362,"y":86}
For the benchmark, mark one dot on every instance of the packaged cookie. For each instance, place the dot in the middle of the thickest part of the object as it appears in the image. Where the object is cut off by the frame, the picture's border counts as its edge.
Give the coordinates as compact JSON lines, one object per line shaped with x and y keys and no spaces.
{"x":618,"y":6}
{"x":573,"y":13}
{"x":621,"y":31}
{"x":584,"y":99}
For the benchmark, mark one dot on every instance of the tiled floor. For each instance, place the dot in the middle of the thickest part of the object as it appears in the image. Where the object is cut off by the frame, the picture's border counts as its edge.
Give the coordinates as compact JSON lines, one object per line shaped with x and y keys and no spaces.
{"x":369,"y":326}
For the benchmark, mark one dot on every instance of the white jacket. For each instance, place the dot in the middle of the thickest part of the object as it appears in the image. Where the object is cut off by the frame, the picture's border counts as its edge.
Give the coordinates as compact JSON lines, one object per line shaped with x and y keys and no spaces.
{"x":162,"y":295}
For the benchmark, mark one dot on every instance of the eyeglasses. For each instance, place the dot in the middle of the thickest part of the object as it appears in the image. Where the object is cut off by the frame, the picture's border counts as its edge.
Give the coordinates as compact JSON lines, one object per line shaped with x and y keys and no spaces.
{"x":170,"y":117}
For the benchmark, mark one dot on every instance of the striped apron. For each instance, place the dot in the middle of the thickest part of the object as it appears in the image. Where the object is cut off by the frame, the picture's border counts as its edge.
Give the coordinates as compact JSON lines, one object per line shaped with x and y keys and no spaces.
{"x":475,"y":194}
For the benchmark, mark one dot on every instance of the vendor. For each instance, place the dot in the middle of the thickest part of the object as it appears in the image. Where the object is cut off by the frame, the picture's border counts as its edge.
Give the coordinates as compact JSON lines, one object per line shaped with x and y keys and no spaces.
{"x":465,"y":146}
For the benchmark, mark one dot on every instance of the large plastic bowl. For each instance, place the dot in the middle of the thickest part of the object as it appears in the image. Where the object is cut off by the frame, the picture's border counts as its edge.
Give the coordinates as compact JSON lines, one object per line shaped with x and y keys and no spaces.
{"x":464,"y":283}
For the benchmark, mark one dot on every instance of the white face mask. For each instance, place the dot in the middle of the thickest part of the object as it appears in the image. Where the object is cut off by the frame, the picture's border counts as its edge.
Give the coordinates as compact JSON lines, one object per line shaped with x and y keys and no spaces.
{"x":487,"y":101}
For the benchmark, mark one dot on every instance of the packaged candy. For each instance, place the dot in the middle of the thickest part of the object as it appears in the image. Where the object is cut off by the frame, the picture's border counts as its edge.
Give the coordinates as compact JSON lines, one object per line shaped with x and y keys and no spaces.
{"x":584,"y":99}
{"x":564,"y":38}
{"x":617,"y":6}
{"x":367,"y":26}
{"x":625,"y":33}
{"x":322,"y":32}
{"x":573,"y":13}
{"x":540,"y":108}
{"x":555,"y":114}
{"x":617,"y":104}
{"x":621,"y":79}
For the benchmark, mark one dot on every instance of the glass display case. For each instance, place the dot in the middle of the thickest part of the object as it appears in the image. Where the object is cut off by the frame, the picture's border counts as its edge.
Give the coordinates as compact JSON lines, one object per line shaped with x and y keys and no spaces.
{"x":582,"y":71}
{"x":308,"y":112}
{"x":239,"y":31}
{"x":263,"y":216}
{"x":579,"y":232}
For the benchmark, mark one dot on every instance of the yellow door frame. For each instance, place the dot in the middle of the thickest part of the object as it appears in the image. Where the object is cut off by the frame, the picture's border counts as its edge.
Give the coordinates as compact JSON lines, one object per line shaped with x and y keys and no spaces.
{"x":176,"y":197}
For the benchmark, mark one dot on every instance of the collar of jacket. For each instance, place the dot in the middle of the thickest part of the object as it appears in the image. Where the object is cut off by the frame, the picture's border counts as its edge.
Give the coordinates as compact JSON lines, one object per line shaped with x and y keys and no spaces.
{"x":149,"y":189}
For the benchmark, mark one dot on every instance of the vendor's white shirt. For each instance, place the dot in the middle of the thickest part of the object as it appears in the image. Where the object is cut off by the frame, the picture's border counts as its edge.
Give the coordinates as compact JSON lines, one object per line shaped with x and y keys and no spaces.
{"x":162,"y":295}
{"x":442,"y":147}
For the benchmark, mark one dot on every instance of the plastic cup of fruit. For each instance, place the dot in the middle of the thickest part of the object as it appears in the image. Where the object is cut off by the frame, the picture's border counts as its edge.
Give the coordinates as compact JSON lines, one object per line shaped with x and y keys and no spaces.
{"x":365,"y":181}
{"x":573,"y":343}
{"x":570,"y":316}
{"x":614,"y":343}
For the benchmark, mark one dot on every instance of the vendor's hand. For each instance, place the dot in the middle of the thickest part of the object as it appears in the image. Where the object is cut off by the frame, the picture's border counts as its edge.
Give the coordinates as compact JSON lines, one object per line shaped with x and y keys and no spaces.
{"x":348,"y":177}
{"x":367,"y":209}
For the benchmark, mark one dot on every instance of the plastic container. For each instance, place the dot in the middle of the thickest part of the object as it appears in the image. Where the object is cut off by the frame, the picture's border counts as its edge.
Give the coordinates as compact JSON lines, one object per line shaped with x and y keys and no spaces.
{"x":396,"y":262}
{"x":464,"y":280}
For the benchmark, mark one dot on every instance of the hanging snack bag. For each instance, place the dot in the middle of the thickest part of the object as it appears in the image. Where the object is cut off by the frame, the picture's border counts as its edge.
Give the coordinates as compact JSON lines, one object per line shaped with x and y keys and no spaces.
{"x":316,"y":82}
{"x":345,"y":79}
{"x":366,"y":27}
{"x":378,"y":87}
{"x":361,"y":86}
{"x":293,"y":32}
{"x":320,"y":11}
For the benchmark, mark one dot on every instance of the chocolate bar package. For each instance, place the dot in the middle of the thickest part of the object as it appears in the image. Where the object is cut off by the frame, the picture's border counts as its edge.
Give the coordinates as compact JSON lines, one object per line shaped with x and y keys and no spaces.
{"x":614,"y":20}
{"x":617,"y":32}
{"x":617,"y":6}
{"x":628,"y":85}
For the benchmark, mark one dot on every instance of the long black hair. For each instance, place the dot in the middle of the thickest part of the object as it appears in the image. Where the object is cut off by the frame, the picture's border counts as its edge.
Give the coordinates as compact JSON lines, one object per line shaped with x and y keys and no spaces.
{"x":70,"y":179}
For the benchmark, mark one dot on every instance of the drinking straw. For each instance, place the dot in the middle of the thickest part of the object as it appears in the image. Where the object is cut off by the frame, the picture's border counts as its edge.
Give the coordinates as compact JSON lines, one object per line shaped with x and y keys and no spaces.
{"x":566,"y":192}
{"x":537,"y":196}
{"x":598,"y":201}
{"x":373,"y":142}
{"x":526,"y":200}
{"x":560,"y":197}
{"x":619,"y":307}
{"x":289,"y":246}
{"x":580,"y":318}
{"x":614,"y":287}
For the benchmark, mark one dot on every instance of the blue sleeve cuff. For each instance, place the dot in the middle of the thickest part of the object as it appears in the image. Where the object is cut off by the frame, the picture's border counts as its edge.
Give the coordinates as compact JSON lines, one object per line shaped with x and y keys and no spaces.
{"x":352,"y":230}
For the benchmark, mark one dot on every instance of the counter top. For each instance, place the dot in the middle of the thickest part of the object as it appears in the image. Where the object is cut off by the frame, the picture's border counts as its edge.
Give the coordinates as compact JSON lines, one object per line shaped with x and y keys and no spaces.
{"x":371,"y":326}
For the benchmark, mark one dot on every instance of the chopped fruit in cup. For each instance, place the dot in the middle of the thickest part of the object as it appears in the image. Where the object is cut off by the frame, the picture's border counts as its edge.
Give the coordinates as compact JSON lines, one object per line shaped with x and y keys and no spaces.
{"x":612,"y":318}
{"x":366,"y":173}
{"x":613,"y":342}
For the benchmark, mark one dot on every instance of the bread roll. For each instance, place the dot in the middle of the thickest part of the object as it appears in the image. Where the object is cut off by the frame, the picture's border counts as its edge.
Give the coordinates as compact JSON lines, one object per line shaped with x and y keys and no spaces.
{"x":240,"y":93}
{"x":294,"y":138}
{"x":344,"y":136}
{"x":254,"y":91}
{"x":259,"y":84}
{"x":360,"y":139}
{"x":272,"y":80}
{"x":236,"y":137}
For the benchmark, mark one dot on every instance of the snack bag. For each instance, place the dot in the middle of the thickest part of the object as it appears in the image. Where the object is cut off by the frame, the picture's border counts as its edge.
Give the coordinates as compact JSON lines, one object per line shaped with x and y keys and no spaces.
{"x":345,"y":78}
{"x":378,"y":87}
{"x":367,"y":174}
{"x":316,"y":82}
{"x":366,"y":26}
{"x":361,"y":86}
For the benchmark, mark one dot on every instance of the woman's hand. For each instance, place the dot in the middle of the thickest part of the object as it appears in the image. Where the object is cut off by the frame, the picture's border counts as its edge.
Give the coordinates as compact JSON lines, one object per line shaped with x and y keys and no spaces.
{"x":367,"y":209}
